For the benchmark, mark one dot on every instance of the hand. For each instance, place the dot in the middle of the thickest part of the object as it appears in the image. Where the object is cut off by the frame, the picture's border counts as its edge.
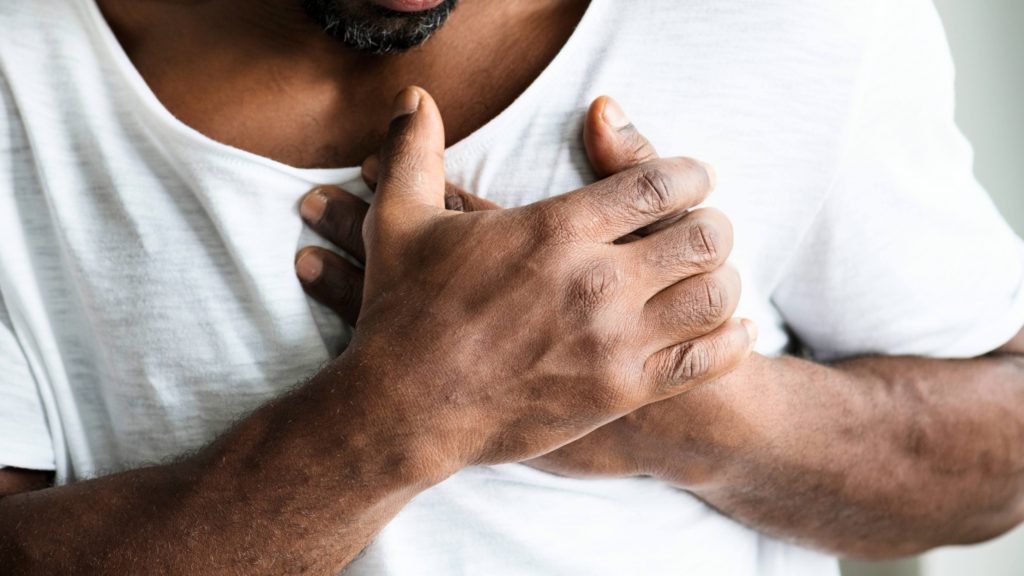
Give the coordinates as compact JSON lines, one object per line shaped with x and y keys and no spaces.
{"x":530,"y":327}
{"x":338,"y":216}
{"x":613,"y":144}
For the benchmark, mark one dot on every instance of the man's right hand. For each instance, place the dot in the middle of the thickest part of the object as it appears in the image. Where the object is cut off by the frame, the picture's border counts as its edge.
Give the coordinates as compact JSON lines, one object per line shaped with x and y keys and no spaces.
{"x":484,"y":337}
{"x":498,"y":336}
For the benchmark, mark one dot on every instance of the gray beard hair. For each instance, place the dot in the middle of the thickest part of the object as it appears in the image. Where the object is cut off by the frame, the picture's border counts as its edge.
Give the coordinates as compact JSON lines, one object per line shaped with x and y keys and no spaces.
{"x":383,"y":31}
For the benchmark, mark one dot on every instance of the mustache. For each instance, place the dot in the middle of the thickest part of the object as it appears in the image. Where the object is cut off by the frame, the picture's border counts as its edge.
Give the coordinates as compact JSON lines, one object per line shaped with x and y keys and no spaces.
{"x":375,"y":29}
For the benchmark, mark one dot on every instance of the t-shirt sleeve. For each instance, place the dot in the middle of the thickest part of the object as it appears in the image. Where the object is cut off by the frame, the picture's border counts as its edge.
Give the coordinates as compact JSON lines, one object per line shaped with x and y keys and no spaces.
{"x":907,"y":255}
{"x":24,"y":434}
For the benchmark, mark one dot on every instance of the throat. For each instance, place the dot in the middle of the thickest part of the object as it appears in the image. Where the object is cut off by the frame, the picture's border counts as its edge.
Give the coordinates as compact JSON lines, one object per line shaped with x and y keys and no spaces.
{"x":287,"y":91}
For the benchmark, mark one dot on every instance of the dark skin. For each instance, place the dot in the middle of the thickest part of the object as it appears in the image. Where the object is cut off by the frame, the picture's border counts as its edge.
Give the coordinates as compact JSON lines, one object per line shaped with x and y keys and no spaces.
{"x":303,"y":484}
{"x":762,"y":445}
{"x":262,"y":77}
{"x":873,"y":457}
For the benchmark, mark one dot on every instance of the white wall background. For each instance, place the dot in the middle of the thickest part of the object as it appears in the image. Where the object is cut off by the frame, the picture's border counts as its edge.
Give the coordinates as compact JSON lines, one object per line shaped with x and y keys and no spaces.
{"x":987,"y":37}
{"x":988,"y":46}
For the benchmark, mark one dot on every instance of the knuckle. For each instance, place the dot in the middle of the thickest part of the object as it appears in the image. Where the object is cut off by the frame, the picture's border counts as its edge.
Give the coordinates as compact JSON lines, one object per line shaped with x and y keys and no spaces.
{"x":713,"y":300}
{"x":455,"y":201}
{"x":690,"y":361}
{"x":351,"y":230}
{"x":591,"y":289}
{"x":651,"y":192}
{"x":553,"y":226}
{"x":640,"y":149}
{"x":703,"y":304}
{"x":705,"y":242}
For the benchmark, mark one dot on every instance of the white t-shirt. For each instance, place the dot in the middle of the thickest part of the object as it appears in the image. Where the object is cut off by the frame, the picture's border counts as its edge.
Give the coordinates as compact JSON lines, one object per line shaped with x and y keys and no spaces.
{"x":148,"y":300}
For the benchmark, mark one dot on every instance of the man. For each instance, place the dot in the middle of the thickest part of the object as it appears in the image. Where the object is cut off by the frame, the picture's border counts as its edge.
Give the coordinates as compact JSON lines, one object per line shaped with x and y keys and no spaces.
{"x":154,"y":153}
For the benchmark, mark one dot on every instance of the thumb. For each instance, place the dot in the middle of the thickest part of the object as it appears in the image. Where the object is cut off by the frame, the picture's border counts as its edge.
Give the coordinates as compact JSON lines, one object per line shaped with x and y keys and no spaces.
{"x":455,"y":198}
{"x":613,"y":144}
{"x":411,"y":177}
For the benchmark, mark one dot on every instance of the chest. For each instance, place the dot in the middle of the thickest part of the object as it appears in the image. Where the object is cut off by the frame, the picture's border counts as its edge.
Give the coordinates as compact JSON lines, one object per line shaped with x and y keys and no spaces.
{"x":164,"y":263}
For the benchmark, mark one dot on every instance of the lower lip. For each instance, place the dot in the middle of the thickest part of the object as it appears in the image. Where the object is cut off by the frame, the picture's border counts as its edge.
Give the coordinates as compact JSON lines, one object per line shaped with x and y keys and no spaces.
{"x":408,"y":5}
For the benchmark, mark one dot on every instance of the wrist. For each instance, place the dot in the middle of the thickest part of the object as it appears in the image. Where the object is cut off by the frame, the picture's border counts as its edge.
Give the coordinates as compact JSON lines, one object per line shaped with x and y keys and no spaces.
{"x":384,"y":416}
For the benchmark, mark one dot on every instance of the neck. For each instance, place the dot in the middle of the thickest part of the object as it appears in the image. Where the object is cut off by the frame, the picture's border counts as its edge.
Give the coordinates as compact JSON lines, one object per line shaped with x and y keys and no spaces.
{"x":262,"y":76}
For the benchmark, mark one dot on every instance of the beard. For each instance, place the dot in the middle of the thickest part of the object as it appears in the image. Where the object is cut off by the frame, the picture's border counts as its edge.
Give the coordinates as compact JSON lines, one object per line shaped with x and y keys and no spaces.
{"x":368,"y":27}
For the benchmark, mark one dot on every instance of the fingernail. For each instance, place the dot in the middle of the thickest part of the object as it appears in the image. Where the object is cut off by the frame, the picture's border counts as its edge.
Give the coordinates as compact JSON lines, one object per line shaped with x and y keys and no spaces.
{"x":712,"y":174}
{"x":751,"y":328}
{"x":613,"y":115}
{"x":309,"y":266}
{"x":371,"y":168}
{"x":454,"y":202}
{"x":407,"y":102}
{"x":313,"y":206}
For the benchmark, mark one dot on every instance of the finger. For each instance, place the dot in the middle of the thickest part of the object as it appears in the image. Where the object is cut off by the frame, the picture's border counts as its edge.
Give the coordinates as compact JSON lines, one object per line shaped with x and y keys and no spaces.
{"x":627,"y":201}
{"x":612,"y":142}
{"x":411,"y":175}
{"x":682,"y":367}
{"x":694,"y":307}
{"x":331,"y":280}
{"x":699,"y":242}
{"x":337,"y":216}
{"x":370,"y":171}
{"x":457,"y":199}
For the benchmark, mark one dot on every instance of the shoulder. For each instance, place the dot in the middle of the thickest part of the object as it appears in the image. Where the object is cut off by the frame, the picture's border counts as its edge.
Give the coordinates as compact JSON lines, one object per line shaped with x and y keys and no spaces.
{"x":785,"y":21}
{"x":786,"y":40}
{"x":791,"y":29}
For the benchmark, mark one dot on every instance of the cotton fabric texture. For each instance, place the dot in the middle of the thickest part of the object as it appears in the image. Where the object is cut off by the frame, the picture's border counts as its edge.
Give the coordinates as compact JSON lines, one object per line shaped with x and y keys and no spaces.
{"x":148,"y":299}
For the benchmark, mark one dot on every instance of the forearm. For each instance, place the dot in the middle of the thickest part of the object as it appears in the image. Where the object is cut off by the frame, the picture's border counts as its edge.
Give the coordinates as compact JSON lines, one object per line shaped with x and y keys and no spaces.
{"x":291,"y":489}
{"x":872,"y":457}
